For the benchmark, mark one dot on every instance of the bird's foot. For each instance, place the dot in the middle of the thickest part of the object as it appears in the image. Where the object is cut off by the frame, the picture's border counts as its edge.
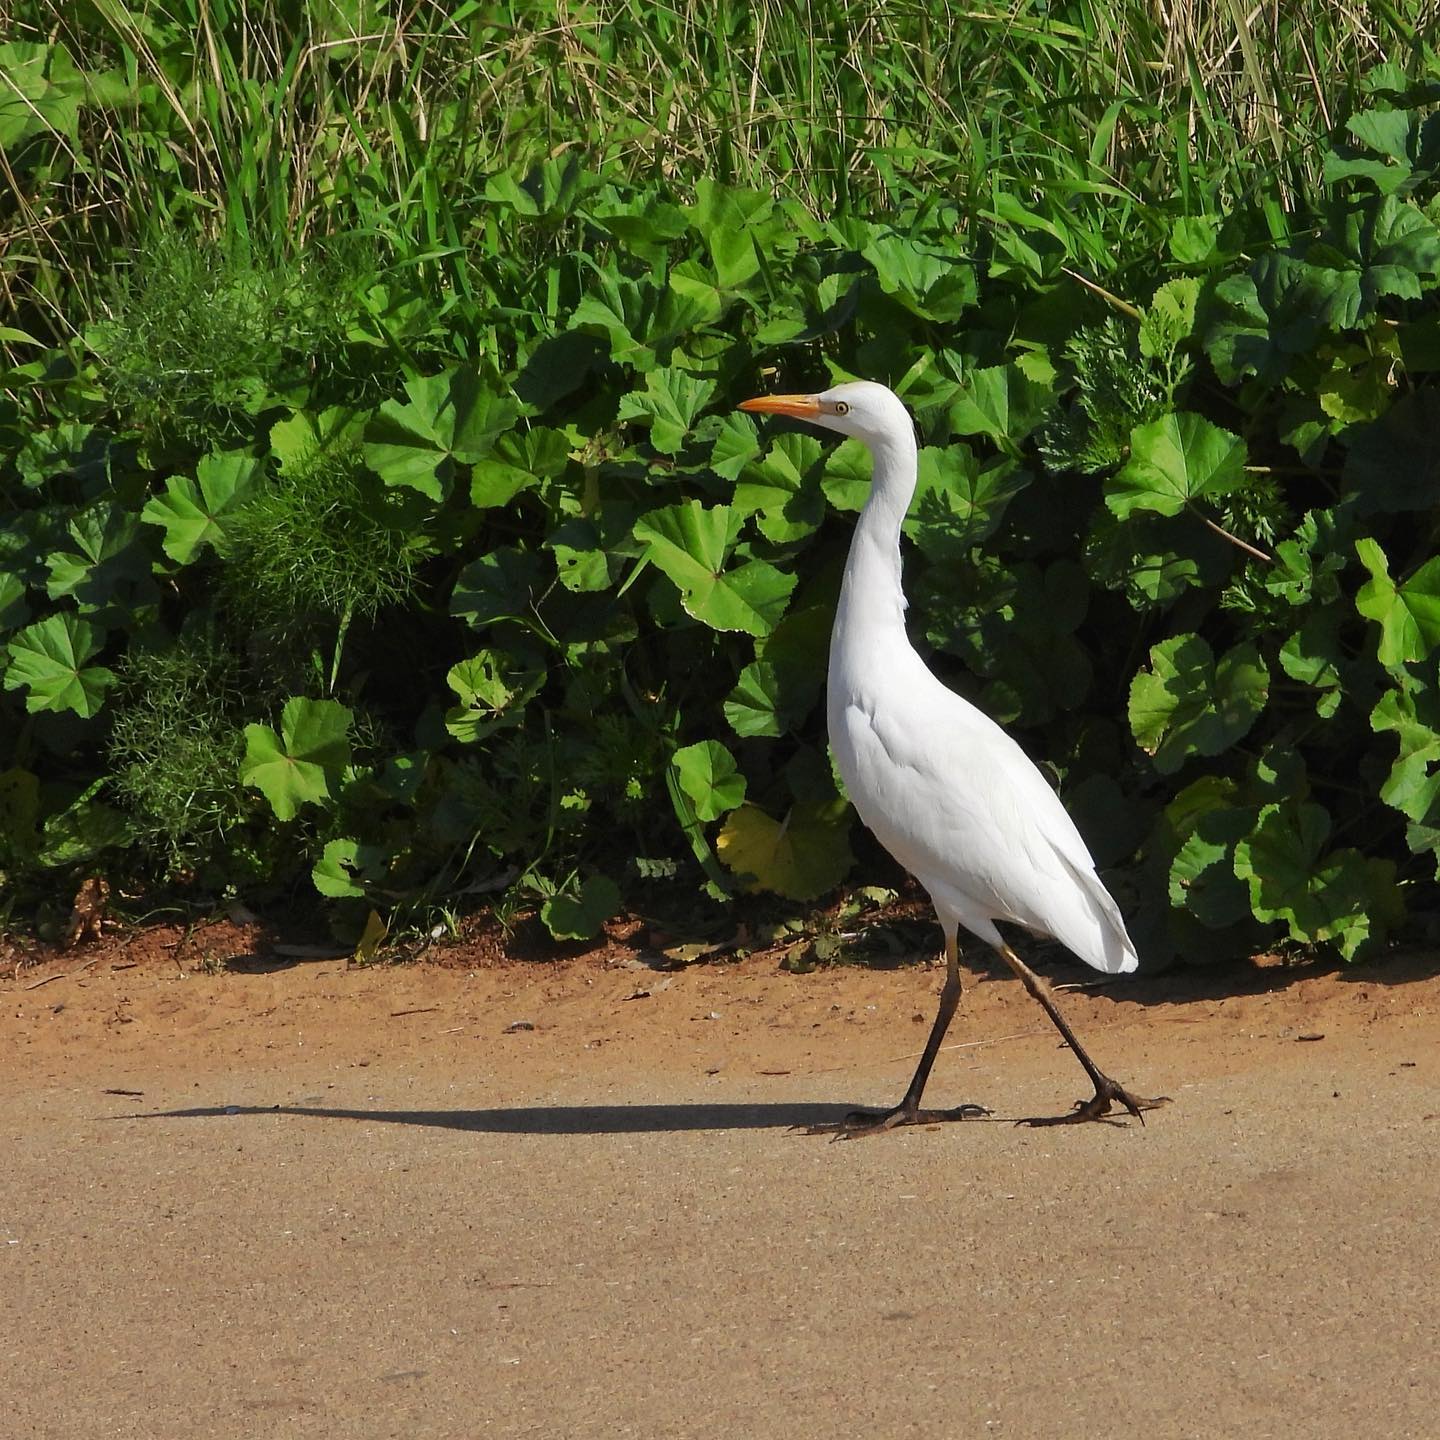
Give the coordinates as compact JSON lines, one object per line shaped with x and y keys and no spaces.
{"x":1107,"y":1093}
{"x":876,"y":1122}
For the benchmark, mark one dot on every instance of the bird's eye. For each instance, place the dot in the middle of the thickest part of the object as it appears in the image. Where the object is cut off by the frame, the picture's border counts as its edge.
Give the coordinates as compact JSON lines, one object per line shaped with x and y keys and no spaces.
{"x":841,"y":408}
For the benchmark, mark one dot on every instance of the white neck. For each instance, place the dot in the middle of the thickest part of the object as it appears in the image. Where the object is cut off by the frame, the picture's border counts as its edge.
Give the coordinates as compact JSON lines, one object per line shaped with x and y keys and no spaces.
{"x":872,"y":602}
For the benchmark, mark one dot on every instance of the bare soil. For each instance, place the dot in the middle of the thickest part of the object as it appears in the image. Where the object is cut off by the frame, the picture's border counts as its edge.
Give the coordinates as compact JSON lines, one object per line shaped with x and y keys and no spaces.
{"x":252,"y":1194}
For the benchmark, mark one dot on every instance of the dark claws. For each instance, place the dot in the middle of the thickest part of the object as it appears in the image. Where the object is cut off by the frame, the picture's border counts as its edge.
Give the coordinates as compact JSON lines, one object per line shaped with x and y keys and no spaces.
{"x":1097,"y":1107}
{"x":859,"y":1123}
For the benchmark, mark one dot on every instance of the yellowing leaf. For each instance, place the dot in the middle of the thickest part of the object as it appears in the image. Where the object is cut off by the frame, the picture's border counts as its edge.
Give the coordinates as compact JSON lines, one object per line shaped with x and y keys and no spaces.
{"x":799,"y":857}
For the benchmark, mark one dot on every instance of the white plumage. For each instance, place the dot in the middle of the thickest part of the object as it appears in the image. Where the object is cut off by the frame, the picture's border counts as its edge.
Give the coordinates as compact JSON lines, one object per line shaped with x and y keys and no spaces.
{"x":951,"y":796}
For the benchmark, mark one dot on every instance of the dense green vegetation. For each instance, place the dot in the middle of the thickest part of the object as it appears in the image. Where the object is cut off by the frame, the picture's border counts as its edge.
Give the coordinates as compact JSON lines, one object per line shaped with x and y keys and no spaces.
{"x":376,"y":520}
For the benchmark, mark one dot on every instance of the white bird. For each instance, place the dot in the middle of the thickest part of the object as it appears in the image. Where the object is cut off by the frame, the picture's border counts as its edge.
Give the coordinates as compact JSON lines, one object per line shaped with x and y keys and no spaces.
{"x":948,"y":793}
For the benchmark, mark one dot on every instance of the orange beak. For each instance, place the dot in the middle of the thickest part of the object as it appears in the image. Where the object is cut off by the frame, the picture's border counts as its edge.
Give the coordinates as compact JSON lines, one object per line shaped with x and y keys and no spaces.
{"x":798,"y":407}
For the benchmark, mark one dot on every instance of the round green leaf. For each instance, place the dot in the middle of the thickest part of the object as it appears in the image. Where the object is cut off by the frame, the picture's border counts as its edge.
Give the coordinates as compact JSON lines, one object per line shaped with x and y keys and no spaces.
{"x":1408,"y":614}
{"x":190,"y":510}
{"x":48,"y":660}
{"x":689,"y":543}
{"x":1186,"y":704}
{"x":335,"y":873}
{"x":1342,"y":897}
{"x":493,"y":689}
{"x":670,"y":404}
{"x":580,"y":916}
{"x":708,"y":776}
{"x":448,"y":417}
{"x":1173,"y":460}
{"x":296,"y":767}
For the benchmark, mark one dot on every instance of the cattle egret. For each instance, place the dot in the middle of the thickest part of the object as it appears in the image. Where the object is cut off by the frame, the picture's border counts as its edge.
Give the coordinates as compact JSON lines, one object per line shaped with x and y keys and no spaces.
{"x":951,"y":796}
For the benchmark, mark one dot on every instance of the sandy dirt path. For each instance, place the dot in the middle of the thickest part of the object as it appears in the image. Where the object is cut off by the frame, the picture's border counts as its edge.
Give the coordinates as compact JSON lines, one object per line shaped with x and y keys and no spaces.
{"x":325,"y":1203}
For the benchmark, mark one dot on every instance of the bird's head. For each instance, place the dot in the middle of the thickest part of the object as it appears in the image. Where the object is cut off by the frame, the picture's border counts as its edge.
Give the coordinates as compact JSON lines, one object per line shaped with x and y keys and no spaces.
{"x":861,"y":408}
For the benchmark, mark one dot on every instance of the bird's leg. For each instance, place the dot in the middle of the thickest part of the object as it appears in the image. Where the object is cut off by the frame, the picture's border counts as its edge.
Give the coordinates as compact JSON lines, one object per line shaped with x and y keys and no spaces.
{"x":1107,"y":1091}
{"x":908,"y":1111}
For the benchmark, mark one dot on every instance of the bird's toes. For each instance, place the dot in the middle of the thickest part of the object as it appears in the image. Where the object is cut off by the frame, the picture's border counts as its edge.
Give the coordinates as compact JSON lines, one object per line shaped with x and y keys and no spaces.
{"x":1137,"y":1105}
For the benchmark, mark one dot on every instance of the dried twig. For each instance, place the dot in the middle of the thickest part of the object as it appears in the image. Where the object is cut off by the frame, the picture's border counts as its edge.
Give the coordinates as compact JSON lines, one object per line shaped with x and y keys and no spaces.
{"x":62,"y":974}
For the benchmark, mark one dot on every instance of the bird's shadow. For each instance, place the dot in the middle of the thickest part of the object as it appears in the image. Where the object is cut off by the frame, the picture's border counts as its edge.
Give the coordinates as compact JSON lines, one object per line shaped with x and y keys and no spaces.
{"x":546,"y":1119}
{"x":796,"y":1119}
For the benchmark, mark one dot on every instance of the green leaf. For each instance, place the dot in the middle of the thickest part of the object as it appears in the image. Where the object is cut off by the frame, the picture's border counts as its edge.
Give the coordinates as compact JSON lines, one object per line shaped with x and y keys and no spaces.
{"x":190,"y":510}
{"x":42,"y":94}
{"x":299,"y":765}
{"x":580,"y":916}
{"x":778,"y":689}
{"x":1170,"y":317}
{"x":494,"y":689}
{"x":780,"y":487}
{"x":670,"y":404}
{"x":1192,"y":239}
{"x":768,"y":699}
{"x":502,"y":585}
{"x":83,"y":830}
{"x":1341,"y":897}
{"x":1312,"y":655}
{"x":300,"y":440}
{"x":48,"y":660}
{"x":1408,"y":614}
{"x":1387,"y":131}
{"x":1154,"y":558}
{"x":589,"y":550}
{"x":707,"y":774}
{"x":799,"y":857}
{"x":1275,"y":312}
{"x":1413,"y":784}
{"x":689,"y":544}
{"x":517,"y":461}
{"x":14,"y":604}
{"x":692,"y":300}
{"x":1187,"y":705}
{"x":106,"y":561}
{"x":618,"y":313}
{"x":960,"y":500}
{"x":734,"y":256}
{"x":1202,"y":874}
{"x":1394,"y":463}
{"x":1174,"y":460}
{"x":346,"y":866}
{"x":730,"y":207}
{"x":1350,"y":397}
{"x":1307,"y":565}
{"x":737,"y":443}
{"x":1002,"y":403}
{"x":448,"y":417}
{"x":928,"y":282}
{"x":846,"y":481}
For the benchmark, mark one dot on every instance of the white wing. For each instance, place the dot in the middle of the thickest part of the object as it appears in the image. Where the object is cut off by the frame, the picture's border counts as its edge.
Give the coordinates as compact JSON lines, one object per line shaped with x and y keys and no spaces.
{"x":962,"y":807}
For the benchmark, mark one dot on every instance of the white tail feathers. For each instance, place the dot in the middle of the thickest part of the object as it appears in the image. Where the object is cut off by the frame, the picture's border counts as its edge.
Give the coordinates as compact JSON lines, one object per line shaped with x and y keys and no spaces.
{"x":1098,"y":930}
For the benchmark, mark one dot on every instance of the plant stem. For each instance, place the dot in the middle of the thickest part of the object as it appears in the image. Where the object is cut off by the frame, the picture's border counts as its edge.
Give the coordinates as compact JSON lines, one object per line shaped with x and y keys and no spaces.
{"x":1244,"y":545}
